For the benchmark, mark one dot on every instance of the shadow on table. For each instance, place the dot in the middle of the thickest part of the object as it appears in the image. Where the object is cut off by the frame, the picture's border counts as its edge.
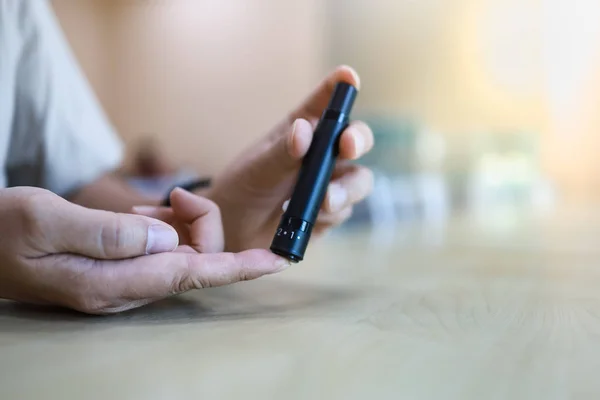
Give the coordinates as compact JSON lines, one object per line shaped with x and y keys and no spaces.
{"x":255,"y":300}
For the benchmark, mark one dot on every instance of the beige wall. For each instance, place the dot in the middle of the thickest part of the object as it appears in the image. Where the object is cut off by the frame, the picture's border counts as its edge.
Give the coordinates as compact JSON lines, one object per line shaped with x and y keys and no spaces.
{"x":86,"y":24}
{"x":206,"y":77}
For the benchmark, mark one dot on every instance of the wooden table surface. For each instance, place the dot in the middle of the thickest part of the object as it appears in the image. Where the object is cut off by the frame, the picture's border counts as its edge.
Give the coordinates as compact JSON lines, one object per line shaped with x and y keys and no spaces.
{"x":509,"y":311}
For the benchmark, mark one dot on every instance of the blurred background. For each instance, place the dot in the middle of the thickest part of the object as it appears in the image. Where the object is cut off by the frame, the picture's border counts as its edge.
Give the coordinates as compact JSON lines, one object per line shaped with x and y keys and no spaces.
{"x":485,"y":108}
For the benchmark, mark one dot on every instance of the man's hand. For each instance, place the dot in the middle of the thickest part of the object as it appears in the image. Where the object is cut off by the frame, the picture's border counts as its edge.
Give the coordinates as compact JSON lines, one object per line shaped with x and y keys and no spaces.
{"x":252,"y":192}
{"x":55,"y":252}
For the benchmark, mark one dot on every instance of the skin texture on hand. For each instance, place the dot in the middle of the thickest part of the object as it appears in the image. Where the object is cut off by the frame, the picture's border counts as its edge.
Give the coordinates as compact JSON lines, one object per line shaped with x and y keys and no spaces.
{"x":55,"y":252}
{"x":252,"y":192}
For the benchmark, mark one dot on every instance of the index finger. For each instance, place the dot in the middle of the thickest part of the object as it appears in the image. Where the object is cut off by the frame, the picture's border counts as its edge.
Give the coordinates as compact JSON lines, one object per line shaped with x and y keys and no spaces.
{"x":129,"y":283}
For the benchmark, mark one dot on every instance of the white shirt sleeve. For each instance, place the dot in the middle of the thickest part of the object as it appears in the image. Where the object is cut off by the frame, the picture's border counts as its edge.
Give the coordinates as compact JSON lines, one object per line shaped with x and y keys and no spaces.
{"x":61,"y":139}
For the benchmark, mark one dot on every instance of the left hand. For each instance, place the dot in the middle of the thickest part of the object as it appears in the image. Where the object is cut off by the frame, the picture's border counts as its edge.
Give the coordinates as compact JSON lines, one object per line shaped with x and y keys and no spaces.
{"x":252,"y":191}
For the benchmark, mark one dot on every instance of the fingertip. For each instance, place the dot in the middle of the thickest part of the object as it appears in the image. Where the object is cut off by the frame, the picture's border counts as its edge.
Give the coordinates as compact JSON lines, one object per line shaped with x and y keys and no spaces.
{"x":337,"y":197}
{"x":349,"y":75}
{"x":264,"y":261}
{"x":350,"y":143}
{"x":183,"y":200}
{"x":178,"y":196}
{"x":300,"y":138}
{"x":181,"y":193}
{"x":283,"y":264}
{"x":356,"y":141}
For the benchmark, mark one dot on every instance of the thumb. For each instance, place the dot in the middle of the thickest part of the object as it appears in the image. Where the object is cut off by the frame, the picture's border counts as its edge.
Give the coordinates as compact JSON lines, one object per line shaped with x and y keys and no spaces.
{"x":316,"y":102}
{"x":282,"y":154}
{"x":107,"y":235}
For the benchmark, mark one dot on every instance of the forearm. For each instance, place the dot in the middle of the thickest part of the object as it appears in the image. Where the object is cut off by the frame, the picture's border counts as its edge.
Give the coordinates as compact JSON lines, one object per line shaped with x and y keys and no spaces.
{"x":110,"y":193}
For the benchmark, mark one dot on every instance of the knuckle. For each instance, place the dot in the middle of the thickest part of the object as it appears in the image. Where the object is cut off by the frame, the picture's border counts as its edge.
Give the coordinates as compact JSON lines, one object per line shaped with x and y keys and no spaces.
{"x":191,"y":277}
{"x":114,"y":237}
{"x":243,"y":275}
{"x":185,"y":279}
{"x":212,"y":207}
{"x":244,"y":272}
{"x":33,"y":209}
{"x":181,"y":283}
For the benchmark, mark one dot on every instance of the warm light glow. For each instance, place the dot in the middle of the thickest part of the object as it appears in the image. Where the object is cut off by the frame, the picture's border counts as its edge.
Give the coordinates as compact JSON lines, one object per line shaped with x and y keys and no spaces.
{"x":510,"y":44}
{"x":571,"y":55}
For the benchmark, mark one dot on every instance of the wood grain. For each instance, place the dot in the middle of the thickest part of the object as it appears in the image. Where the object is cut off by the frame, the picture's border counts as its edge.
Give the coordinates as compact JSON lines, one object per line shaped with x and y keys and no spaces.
{"x":486,"y":315}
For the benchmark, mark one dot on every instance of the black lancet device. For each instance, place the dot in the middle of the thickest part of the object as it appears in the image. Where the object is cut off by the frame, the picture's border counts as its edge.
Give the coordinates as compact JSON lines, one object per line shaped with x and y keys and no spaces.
{"x":293,"y":233}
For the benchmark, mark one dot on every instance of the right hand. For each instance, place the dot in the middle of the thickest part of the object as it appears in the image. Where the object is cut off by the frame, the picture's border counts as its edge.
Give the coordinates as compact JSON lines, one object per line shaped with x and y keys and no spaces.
{"x":55,"y":252}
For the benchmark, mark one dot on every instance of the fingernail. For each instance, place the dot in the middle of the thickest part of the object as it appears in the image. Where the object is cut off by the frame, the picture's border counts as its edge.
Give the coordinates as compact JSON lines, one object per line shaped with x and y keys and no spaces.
{"x":283,"y":264}
{"x":290,"y":143}
{"x":354,"y":75}
{"x":285,"y":205}
{"x":356,"y":78}
{"x":337,"y":197}
{"x":161,"y":239}
{"x":359,"y":144}
{"x":183,"y":192}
